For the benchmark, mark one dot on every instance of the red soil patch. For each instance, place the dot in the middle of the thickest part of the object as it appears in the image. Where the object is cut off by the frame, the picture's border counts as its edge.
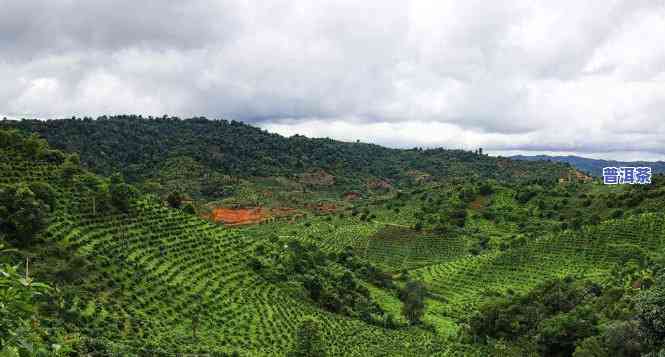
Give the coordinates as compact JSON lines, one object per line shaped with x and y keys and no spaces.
{"x":237,"y":216}
{"x":241,"y":216}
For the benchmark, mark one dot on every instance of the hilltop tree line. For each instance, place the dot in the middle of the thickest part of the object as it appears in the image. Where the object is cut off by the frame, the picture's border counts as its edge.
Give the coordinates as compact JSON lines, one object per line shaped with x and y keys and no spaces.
{"x":136,"y":146}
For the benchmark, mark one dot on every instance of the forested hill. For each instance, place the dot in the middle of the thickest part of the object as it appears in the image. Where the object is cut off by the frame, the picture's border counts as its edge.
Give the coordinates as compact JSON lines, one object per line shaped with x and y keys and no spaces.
{"x":594,"y":166}
{"x":136,"y":146}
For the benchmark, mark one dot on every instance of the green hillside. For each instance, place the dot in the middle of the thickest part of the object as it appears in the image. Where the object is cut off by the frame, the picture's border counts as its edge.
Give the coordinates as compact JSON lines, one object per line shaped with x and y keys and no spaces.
{"x":153,"y":280}
{"x":211,"y":151}
{"x":493,"y":265}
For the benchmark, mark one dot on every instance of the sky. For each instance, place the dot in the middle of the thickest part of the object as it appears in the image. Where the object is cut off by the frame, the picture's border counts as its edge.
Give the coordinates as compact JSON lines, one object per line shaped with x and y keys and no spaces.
{"x":581,"y":77}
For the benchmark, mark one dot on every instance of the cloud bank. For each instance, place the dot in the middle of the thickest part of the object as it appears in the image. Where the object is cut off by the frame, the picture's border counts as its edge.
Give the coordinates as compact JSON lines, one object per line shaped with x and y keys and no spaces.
{"x":565,"y":76}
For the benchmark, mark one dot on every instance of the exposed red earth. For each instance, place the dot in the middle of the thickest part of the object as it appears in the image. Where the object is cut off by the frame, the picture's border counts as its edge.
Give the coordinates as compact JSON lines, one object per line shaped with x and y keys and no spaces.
{"x":238,"y":216}
{"x":242,"y":216}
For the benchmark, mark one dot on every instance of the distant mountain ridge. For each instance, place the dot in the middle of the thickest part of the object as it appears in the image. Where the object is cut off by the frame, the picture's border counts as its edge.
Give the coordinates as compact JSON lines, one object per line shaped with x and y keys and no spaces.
{"x":593,"y":166}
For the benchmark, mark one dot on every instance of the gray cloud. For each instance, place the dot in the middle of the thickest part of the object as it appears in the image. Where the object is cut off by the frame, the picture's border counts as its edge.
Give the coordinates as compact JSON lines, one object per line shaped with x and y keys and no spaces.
{"x":583,"y":77}
{"x":31,"y":29}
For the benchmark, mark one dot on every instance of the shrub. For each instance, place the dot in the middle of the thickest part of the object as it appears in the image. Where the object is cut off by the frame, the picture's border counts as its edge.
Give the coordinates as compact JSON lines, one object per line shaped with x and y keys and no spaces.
{"x":22,"y":214}
{"x":413,"y":297}
{"x":174,"y":199}
{"x":309,"y":342}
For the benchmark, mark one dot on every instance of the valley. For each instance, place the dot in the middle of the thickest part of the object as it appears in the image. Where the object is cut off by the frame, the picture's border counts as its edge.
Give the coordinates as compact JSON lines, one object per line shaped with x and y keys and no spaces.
{"x":168,"y":248}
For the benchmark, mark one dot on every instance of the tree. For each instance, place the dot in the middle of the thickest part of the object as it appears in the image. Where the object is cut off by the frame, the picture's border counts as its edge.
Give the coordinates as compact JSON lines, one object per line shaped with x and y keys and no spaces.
{"x":467,"y":193}
{"x":174,"y":199}
{"x":96,"y":192}
{"x":71,"y":167}
{"x":308,"y":339}
{"x":413,"y":299}
{"x":591,"y":347}
{"x":9,"y":138}
{"x":458,"y":217}
{"x":121,"y":196}
{"x":22,"y":214}
{"x":486,"y":189}
{"x":121,"y":193}
{"x":44,"y":192}
{"x":34,"y":146}
{"x":651,"y":312}
{"x":558,"y":335}
{"x":189,"y":208}
{"x":314,"y":286}
{"x":594,"y":219}
{"x":624,"y":339}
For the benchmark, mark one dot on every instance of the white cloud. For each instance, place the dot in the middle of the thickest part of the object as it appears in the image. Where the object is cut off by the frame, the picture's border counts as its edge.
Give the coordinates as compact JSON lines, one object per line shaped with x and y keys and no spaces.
{"x":514,"y":75}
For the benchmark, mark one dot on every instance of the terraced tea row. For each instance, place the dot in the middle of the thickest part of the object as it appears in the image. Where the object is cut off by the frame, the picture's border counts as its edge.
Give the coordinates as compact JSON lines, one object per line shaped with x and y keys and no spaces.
{"x":14,"y":170}
{"x":396,"y":248}
{"x":463,"y":283}
{"x":167,"y":272}
{"x":330,"y":235}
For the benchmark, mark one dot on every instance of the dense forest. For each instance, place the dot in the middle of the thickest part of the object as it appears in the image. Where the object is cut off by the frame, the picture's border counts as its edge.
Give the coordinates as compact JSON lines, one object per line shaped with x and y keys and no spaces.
{"x":137,"y":146}
{"x":510,"y":261}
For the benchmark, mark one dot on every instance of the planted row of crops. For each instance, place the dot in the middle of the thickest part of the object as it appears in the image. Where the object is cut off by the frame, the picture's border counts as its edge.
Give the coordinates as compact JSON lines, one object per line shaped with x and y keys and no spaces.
{"x":396,"y":248}
{"x":591,"y":252}
{"x":170,"y":282}
{"x":329,"y":233}
{"x":14,"y":170}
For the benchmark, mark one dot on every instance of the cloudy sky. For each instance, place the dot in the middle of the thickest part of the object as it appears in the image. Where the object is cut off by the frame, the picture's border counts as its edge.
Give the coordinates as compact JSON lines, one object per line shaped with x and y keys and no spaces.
{"x":584,"y":77}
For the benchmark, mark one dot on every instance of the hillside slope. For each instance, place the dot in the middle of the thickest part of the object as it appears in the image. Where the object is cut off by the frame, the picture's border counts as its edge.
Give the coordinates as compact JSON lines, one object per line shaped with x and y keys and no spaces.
{"x":144,"y":279}
{"x":138,"y":147}
{"x":131,"y":276}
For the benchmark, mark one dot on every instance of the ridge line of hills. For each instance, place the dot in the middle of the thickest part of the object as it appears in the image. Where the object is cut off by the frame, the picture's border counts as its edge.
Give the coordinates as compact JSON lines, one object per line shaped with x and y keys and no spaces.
{"x":594,"y":167}
{"x":135,"y":145}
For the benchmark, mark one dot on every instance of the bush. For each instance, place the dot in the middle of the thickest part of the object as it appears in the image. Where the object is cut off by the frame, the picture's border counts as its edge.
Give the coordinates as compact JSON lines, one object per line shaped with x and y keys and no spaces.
{"x":559,"y":334}
{"x":174,"y":199}
{"x":189,"y":208}
{"x":22,"y":214}
{"x":651,"y":313}
{"x":486,"y":189}
{"x":309,"y":342}
{"x":121,"y":195}
{"x":18,"y":308}
{"x":413,"y":297}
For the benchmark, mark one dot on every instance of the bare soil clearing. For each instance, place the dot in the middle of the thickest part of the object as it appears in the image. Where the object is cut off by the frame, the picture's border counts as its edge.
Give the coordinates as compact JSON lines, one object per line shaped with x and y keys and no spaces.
{"x":243,"y":216}
{"x":238,"y":216}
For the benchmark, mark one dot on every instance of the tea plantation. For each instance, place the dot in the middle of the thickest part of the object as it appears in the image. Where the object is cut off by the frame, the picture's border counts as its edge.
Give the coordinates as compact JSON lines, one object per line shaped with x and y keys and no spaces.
{"x":95,"y":266}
